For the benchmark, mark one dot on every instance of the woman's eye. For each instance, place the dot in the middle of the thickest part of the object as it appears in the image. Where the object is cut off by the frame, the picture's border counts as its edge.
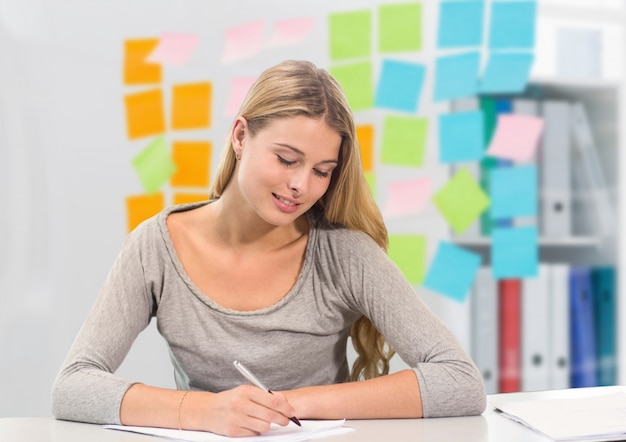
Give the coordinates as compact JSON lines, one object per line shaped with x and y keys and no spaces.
{"x":321,"y":174}
{"x":281,"y":160}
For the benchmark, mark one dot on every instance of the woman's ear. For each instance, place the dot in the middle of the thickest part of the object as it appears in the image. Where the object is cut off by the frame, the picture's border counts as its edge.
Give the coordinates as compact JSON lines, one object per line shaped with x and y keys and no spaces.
{"x":238,"y":135}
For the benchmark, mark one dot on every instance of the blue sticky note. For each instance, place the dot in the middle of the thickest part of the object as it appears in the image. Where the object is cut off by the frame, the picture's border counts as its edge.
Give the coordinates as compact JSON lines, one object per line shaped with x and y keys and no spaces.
{"x":460,"y":24}
{"x":400,"y":85}
{"x":512,"y":25}
{"x":461,"y":137}
{"x":514,"y":252}
{"x":452,"y":271}
{"x":506,"y":72}
{"x":513,"y":191}
{"x":456,"y":76}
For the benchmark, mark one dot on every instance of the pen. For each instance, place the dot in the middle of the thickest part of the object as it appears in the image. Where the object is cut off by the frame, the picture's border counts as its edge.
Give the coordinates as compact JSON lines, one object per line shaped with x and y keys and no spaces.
{"x":252,"y":378}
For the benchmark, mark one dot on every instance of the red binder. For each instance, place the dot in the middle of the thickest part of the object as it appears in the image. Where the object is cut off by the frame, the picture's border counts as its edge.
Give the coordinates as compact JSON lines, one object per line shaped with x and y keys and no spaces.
{"x":509,"y":296}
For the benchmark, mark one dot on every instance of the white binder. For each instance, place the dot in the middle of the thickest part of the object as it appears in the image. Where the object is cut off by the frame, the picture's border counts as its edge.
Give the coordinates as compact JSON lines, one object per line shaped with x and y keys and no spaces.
{"x":555,"y":170}
{"x":535,"y":331}
{"x":484,"y":307}
{"x":559,"y":335}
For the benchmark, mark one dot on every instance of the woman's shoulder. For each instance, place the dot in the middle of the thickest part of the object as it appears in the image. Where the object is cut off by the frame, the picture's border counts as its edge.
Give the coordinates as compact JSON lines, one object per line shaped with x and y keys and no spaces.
{"x":343,"y":239}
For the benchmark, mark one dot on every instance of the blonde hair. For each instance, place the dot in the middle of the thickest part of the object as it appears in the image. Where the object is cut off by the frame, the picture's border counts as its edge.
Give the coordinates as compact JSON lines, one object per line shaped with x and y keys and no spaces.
{"x":294,"y":88}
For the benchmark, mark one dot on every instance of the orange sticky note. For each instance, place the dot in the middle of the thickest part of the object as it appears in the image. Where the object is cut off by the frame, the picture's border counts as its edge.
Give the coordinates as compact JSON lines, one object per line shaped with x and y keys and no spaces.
{"x":191,"y":106}
{"x":184,"y":198}
{"x":365,"y":135}
{"x":136,"y":69}
{"x":141,"y":207}
{"x":144,"y":113}
{"x":192,"y":160}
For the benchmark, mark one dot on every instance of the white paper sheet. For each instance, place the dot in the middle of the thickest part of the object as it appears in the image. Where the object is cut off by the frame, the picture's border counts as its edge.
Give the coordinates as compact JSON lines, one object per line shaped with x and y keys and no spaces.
{"x":601,"y":417}
{"x":291,"y":433}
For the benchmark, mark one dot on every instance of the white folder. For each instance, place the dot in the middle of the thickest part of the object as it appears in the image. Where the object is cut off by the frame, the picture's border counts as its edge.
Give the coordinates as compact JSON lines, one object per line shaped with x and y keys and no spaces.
{"x":559,"y":335}
{"x":535,"y":331}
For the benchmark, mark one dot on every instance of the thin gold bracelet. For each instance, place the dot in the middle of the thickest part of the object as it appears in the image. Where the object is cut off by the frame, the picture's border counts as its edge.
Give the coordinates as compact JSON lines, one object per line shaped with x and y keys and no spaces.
{"x":180,"y":404}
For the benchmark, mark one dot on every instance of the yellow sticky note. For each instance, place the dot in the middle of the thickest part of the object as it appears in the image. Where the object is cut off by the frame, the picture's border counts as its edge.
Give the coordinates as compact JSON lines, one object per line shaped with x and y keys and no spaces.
{"x":141,"y":207}
{"x":144,"y":113}
{"x":184,"y":198}
{"x":191,"y":106}
{"x":192,"y":159}
{"x":136,"y":69}
{"x":365,"y":135}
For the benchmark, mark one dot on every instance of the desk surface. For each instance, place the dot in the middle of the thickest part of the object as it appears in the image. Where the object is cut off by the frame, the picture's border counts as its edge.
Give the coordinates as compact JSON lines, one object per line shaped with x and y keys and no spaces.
{"x":489,"y":427}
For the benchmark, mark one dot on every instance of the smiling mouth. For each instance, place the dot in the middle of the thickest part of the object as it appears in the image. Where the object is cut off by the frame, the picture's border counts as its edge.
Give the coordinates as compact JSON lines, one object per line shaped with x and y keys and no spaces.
{"x":284,"y":201}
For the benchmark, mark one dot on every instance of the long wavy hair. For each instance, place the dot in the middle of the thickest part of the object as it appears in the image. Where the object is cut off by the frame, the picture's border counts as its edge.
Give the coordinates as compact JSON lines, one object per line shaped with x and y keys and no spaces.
{"x":294,"y":88}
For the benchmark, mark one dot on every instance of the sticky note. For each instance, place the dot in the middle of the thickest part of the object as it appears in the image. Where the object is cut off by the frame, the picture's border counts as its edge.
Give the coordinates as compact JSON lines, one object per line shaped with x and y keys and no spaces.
{"x":174,"y":48}
{"x":461,"y":200}
{"x":516,"y":137}
{"x":400,"y":85}
{"x":452,"y":271}
{"x":350,"y":34}
{"x":399,"y":27}
{"x":513,"y":191}
{"x":291,"y":31}
{"x":370,"y":177}
{"x":407,"y":197}
{"x":187,"y":197}
{"x":461,"y":137}
{"x":512,"y":25}
{"x":154,"y":165}
{"x":357,"y":82}
{"x":409,"y":254}
{"x":514,"y":252}
{"x":137,"y":70}
{"x":365,"y":137}
{"x":506,"y":72}
{"x":243,"y":41}
{"x":460,"y":24}
{"x":191,"y":106}
{"x":192,"y":161}
{"x":239,"y":87}
{"x":144,"y":113}
{"x":456,"y":76}
{"x":141,"y":207}
{"x":403,"y":140}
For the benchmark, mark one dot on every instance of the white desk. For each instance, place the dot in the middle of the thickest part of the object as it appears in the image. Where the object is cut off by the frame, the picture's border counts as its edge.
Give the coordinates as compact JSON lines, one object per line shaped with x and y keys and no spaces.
{"x":489,"y":427}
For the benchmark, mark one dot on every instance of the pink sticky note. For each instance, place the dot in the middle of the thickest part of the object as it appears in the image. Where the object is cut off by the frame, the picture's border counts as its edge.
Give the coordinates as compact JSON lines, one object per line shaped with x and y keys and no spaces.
{"x":292,"y":31}
{"x":173,"y":48}
{"x":407,"y":197}
{"x":516,"y":137}
{"x":239,"y":87}
{"x":243,"y":41}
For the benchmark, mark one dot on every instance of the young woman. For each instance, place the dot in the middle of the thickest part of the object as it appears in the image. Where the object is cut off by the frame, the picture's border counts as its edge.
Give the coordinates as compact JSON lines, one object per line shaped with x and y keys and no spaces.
{"x":283,"y":263}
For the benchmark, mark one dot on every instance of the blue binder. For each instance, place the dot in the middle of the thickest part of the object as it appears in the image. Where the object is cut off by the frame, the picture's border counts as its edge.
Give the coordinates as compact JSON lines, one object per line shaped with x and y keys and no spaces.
{"x":604,"y":303}
{"x":583,"y":368}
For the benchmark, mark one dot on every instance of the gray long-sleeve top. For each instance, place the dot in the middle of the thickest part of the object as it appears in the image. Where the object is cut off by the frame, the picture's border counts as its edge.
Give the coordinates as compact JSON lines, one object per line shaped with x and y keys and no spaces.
{"x":344,"y":275}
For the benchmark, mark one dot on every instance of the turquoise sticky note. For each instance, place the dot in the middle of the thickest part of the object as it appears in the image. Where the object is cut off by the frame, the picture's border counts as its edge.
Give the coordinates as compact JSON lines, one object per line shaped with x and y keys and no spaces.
{"x":400,"y":85}
{"x":460,"y":24}
{"x":456,"y":76}
{"x":513,"y":191}
{"x":512,"y":25}
{"x":506,"y":72}
{"x":452,"y":271}
{"x":461,"y":137}
{"x":514,"y":252}
{"x":154,"y":165}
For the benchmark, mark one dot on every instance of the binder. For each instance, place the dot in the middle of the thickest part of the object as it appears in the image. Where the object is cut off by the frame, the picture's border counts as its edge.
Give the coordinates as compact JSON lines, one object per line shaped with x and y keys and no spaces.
{"x":555,"y":170}
{"x":509,"y":291}
{"x":484,"y":312}
{"x":488,"y":107}
{"x":604,"y":305}
{"x":559,"y":335}
{"x":582,"y":333}
{"x":535,"y":331}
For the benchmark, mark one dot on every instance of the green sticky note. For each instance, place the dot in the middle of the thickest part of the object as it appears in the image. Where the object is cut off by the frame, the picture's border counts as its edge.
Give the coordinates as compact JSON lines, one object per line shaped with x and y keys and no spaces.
{"x":370,"y":177}
{"x":403,"y":140}
{"x":350,"y":35}
{"x":356,"y":80}
{"x":154,"y":165}
{"x":461,"y":200}
{"x":400,"y":27}
{"x":409,"y":253}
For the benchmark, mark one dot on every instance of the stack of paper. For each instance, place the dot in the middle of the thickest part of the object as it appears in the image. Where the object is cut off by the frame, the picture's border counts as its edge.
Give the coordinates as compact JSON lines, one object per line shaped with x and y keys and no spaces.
{"x":290,"y":433}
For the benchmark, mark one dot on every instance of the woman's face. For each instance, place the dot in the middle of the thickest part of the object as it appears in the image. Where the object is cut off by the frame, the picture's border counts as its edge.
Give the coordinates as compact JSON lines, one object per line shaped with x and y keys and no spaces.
{"x":286,"y":167}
